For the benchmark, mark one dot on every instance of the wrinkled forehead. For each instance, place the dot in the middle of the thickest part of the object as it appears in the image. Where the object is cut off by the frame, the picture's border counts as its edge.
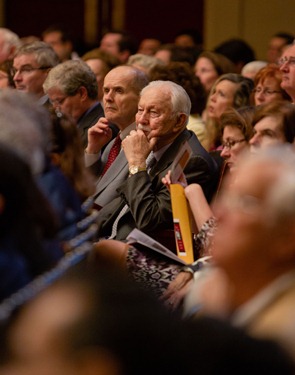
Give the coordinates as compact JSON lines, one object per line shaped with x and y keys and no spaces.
{"x":289,"y":51}
{"x":160,"y":96}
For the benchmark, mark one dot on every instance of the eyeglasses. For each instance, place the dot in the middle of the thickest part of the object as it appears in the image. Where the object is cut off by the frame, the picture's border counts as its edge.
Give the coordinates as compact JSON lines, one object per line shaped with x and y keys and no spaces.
{"x":286,"y":60}
{"x":58,"y":101}
{"x":266,"y":92}
{"x":229,"y":144}
{"x":26,"y":70}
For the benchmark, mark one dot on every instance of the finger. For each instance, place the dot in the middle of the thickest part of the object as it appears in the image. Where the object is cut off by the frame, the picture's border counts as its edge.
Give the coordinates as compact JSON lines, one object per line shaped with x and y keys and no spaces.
{"x":152,"y":142}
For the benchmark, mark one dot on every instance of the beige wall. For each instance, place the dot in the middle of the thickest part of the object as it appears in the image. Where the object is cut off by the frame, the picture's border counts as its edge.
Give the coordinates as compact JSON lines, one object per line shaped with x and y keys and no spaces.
{"x":253,"y":20}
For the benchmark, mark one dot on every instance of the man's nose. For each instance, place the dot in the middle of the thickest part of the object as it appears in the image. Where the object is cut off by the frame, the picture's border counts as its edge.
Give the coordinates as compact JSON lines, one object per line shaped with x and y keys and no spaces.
{"x":108,"y":95}
{"x":17,"y":76}
{"x":142,"y":117}
{"x":254,"y":140}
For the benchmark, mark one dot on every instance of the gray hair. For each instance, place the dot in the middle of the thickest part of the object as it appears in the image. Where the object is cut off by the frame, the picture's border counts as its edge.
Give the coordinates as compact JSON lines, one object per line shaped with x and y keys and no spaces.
{"x":69,"y":76}
{"x":144,"y":61}
{"x":180,"y":101}
{"x":10,"y":38}
{"x":43,"y":53}
{"x":24,"y":127}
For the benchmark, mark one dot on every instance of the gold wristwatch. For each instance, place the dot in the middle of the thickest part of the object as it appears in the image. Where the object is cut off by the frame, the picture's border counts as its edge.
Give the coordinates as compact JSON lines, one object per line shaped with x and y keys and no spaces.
{"x":133,"y":169}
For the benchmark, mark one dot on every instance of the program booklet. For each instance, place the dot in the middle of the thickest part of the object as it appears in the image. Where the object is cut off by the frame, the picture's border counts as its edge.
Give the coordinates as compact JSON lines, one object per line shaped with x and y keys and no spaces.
{"x":138,"y":237}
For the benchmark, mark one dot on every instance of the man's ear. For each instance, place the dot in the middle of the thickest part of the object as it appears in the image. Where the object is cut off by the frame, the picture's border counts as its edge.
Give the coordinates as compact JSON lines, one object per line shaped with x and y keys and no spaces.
{"x":180,"y":122}
{"x":83,"y":92}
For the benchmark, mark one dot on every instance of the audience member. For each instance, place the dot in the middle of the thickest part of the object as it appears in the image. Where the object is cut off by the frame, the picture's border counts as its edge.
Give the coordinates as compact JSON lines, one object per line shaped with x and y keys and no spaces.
{"x":94,"y":322}
{"x":230,"y":90}
{"x":122,"y":86}
{"x":149,"y":206}
{"x":119,"y":44}
{"x":287,"y":67}
{"x":149,"y":46}
{"x":9,"y":42}
{"x":182,"y":74}
{"x":273,"y":124}
{"x":238,"y":51}
{"x":277,"y":44}
{"x":72,"y":90}
{"x":189,"y":38}
{"x":100,"y":62}
{"x":267,"y":85}
{"x":31,"y":65}
{"x":29,"y":39}
{"x":236,"y":126}
{"x":144,"y":62}
{"x":256,"y":223}
{"x":100,"y":323}
{"x":67,"y":153}
{"x":61,"y":41}
{"x":252,"y":68}
{"x":209,"y":66}
{"x":26,"y":221}
{"x":170,"y":52}
{"x":26,"y":131}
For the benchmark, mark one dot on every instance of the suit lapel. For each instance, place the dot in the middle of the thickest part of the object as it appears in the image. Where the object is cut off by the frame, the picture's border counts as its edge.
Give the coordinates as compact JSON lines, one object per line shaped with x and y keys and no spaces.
{"x":112,"y":172}
{"x":170,"y":154}
{"x":91,"y":117}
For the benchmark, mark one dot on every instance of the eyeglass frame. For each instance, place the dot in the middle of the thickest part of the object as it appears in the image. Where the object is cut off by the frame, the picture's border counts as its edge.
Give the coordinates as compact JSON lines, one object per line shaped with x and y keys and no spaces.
{"x":230,"y":144}
{"x":27,"y":69}
{"x":58,"y":102}
{"x":266,"y":92}
{"x":289,"y":60}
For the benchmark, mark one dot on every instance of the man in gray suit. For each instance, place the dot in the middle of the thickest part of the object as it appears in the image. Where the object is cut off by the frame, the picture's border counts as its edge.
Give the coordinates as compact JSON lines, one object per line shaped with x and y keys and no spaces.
{"x":122,"y":86}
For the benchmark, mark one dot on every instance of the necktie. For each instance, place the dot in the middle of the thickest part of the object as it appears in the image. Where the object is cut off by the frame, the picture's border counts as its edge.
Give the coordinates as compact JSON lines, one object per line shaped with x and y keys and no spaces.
{"x":114,"y":151}
{"x":150,"y":162}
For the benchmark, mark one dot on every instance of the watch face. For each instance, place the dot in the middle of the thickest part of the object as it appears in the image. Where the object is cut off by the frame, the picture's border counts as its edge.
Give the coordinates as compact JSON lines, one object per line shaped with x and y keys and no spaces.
{"x":133,"y":169}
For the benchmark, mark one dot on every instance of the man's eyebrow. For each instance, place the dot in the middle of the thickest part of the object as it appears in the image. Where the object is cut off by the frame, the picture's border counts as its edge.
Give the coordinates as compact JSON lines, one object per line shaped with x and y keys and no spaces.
{"x":268,"y":132}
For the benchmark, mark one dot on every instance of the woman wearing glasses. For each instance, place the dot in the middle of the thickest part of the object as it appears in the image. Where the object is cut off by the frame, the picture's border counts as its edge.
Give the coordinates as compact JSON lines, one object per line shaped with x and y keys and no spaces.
{"x":267,"y":84}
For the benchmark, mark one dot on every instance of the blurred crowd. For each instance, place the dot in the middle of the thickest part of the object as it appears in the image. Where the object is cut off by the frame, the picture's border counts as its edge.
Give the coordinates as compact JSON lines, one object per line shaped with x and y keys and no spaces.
{"x":87,"y":145}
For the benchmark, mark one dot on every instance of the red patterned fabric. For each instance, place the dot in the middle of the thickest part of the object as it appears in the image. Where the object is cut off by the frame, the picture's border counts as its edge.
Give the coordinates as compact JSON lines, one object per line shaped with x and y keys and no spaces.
{"x":114,"y":151}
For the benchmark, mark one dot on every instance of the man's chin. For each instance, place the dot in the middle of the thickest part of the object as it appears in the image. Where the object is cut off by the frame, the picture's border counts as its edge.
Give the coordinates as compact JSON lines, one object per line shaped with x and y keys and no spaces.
{"x":21,"y":88}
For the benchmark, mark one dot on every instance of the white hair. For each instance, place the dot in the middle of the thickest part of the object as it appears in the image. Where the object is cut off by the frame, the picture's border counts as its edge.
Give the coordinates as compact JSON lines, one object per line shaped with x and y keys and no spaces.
{"x":180,"y":100}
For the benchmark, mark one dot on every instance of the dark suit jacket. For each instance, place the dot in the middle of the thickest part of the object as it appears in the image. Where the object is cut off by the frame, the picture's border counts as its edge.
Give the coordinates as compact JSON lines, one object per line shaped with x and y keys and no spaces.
{"x":149,"y":200}
{"x":89,"y":119}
